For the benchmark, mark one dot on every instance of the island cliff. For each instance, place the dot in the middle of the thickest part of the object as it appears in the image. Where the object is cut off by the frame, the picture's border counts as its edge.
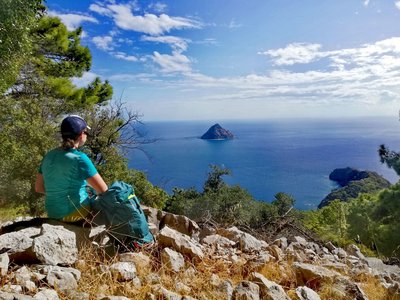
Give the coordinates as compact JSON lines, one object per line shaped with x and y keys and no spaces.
{"x":216,"y":132}
{"x":352,"y":183}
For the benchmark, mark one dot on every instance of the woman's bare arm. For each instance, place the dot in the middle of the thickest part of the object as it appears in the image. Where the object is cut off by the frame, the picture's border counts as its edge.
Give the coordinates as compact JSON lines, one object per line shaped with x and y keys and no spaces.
{"x":97,"y":183}
{"x":39,"y":184}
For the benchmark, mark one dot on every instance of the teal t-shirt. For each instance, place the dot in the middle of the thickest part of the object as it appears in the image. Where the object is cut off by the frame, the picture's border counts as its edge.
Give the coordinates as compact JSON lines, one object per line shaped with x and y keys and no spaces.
{"x":64,"y":174}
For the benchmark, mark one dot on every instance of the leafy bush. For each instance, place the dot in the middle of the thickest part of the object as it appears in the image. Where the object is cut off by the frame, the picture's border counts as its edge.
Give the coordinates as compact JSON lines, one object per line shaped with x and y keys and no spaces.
{"x":370,"y":219}
{"x":224,"y":204}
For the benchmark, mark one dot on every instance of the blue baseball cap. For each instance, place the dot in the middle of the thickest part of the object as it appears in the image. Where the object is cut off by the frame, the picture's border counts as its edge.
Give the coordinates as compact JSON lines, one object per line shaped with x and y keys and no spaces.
{"x":73,"y":125}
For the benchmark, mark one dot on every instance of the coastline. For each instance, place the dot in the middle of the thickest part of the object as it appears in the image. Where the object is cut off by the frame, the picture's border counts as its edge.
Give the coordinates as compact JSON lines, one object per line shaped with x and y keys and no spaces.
{"x":267,"y":157}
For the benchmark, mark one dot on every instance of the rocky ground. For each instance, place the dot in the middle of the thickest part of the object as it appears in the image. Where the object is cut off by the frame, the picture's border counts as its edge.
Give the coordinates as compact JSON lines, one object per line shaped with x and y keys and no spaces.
{"x":60,"y":261}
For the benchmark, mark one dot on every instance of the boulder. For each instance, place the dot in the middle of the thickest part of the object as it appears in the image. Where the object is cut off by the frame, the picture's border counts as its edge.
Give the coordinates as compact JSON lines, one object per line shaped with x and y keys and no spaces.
{"x":46,"y":294}
{"x":276,"y":252}
{"x":25,"y":278}
{"x":64,"y":279}
{"x":4,"y":261}
{"x":246,"y":290}
{"x":56,"y":246}
{"x":153,"y":215}
{"x":313,"y":275}
{"x":162,"y":293}
{"x":14,"y":296}
{"x":182,"y":243}
{"x":218,"y":241}
{"x":141,"y":260}
{"x":18,"y":244}
{"x":172,"y":259}
{"x":123,"y":271}
{"x":226,"y":289}
{"x":355,"y":251}
{"x":258,"y":261}
{"x":247,"y":242}
{"x":305,"y":293}
{"x":282,"y":243}
{"x":268,"y":289}
{"x":181,"y":224}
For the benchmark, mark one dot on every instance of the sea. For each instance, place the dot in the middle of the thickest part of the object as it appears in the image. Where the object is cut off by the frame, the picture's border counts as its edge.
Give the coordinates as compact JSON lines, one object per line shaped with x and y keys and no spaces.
{"x":294,"y":156}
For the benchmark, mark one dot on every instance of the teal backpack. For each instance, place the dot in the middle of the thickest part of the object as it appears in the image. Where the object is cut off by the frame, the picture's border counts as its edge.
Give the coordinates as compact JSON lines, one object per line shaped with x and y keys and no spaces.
{"x":120,"y":211}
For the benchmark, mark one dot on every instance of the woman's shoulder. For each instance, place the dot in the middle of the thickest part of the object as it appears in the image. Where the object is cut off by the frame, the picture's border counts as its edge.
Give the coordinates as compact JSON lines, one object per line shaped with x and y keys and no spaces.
{"x":54,"y":151}
{"x":82,"y":156}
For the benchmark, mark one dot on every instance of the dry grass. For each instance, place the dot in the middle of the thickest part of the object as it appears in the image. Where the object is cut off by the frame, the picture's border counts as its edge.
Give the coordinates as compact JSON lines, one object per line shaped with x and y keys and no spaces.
{"x":96,"y":278}
{"x":281,"y":273}
{"x":372,"y":287}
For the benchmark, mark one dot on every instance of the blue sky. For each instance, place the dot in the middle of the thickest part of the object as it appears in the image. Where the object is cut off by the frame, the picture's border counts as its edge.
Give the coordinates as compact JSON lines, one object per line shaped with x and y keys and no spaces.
{"x":237,"y":59}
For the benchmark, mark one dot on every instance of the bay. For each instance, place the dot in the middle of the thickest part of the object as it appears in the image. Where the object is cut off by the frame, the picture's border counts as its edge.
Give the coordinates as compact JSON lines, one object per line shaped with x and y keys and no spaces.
{"x":266,"y":157}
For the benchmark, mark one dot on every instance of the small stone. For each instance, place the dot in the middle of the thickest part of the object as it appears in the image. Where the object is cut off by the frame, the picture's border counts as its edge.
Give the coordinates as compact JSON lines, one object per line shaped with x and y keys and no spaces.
{"x":172,"y":259}
{"x":182,"y":288}
{"x":4,"y":261}
{"x":123,"y":271}
{"x":246,"y":290}
{"x":46,"y":294}
{"x":305,"y":293}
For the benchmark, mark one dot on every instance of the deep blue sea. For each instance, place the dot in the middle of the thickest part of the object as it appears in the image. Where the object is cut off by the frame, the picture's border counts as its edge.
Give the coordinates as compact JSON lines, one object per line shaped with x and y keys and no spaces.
{"x":267,"y":157}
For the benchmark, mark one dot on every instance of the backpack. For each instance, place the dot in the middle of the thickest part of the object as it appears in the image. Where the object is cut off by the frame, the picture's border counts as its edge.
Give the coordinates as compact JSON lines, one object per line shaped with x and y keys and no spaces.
{"x":119,"y":209}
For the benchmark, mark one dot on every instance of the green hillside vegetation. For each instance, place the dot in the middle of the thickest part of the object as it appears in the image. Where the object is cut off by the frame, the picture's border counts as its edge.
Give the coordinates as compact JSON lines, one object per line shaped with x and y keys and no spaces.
{"x":39,"y":57}
{"x":227,"y":205}
{"x":369,"y":219}
{"x":371,"y":184}
{"x":38,"y":60}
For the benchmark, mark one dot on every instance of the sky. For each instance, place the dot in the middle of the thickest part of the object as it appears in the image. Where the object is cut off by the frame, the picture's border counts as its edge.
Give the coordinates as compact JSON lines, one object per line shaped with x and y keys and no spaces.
{"x":243,"y":59}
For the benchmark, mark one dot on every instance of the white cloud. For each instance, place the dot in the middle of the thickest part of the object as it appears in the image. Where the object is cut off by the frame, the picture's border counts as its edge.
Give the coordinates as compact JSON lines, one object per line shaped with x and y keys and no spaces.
{"x":86,"y":78}
{"x":177,"y":43}
{"x":73,"y":21}
{"x":397,"y":4}
{"x":363,"y":80}
{"x":300,"y":53}
{"x":143,"y":77}
{"x":175,"y":63}
{"x":100,"y":10}
{"x":148,"y":23}
{"x":84,"y":34}
{"x":103,"y":42}
{"x":207,"y":41}
{"x":124,"y":56}
{"x":158,"y":7}
{"x":366,"y":2}
{"x":294,"y":53}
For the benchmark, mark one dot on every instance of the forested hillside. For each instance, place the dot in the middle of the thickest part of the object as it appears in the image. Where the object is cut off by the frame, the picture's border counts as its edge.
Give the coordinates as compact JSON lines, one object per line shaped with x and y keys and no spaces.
{"x":39,"y":58}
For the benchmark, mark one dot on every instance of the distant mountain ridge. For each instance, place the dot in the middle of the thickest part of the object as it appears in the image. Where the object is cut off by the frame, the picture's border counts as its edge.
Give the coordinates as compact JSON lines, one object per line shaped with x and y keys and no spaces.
{"x":216,"y":132}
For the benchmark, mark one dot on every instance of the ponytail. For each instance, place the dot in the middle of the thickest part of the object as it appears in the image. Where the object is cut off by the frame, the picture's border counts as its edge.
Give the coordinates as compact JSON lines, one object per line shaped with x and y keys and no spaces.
{"x":67,"y":143}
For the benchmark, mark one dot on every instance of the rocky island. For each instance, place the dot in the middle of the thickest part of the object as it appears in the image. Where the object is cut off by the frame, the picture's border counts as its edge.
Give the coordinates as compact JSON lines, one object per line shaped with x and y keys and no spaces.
{"x":352,"y":182}
{"x":216,"y":132}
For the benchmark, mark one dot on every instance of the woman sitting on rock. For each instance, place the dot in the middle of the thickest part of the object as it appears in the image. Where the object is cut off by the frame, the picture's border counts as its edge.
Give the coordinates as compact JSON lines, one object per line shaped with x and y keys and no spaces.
{"x":65,"y":172}
{"x":63,"y":177}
